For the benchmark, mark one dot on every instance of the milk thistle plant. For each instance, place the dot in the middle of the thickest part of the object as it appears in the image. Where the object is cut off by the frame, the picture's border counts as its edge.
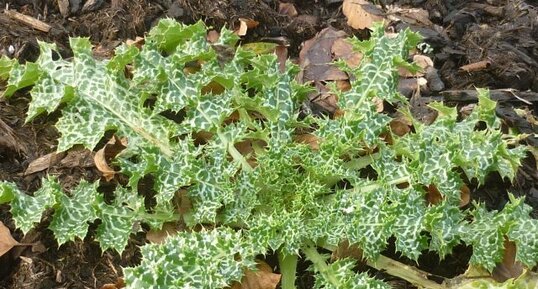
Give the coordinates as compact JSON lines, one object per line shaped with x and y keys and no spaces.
{"x":279,"y":195}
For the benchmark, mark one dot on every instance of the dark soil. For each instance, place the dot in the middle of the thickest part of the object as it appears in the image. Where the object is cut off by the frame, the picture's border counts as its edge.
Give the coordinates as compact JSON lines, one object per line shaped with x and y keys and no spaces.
{"x":504,"y":33}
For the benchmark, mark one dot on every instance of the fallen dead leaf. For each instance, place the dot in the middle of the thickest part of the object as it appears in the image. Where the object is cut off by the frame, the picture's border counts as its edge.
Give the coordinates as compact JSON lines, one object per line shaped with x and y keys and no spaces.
{"x":287,"y":8}
{"x":309,"y":139}
{"x":344,"y":250}
{"x":244,"y":25}
{"x":378,"y":104}
{"x":361,"y":14}
{"x":114,"y":146}
{"x":75,"y":158}
{"x":120,"y":283}
{"x":158,"y":236}
{"x":263,"y":278}
{"x":9,"y":139}
{"x":281,"y":53}
{"x":212,"y":87}
{"x":413,"y":16}
{"x":315,"y":58}
{"x":422,"y":61}
{"x":6,"y":240}
{"x":400,"y":125}
{"x":138,"y":42}
{"x":44,"y":162}
{"x":343,"y":85}
{"x":342,"y":49}
{"x":509,"y":267}
{"x":212,"y":36}
{"x":433,"y":196}
{"x":465,"y":195}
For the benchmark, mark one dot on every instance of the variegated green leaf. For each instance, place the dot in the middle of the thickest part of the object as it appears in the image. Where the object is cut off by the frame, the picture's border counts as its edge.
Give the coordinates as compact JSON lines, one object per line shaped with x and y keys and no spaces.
{"x":73,"y":215}
{"x":205,"y":260}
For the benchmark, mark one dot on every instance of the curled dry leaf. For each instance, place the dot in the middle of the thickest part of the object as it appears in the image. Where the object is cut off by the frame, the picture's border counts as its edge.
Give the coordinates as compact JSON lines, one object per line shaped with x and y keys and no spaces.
{"x":244,"y":25}
{"x":212,"y":36}
{"x":263,"y":278}
{"x":6,"y":240}
{"x":361,"y":14}
{"x":137,"y":42}
{"x":120,"y":283}
{"x":509,"y":267}
{"x":114,"y":146}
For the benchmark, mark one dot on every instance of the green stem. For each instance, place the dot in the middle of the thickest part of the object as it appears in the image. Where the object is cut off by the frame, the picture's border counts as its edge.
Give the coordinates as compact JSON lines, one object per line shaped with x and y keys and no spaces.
{"x":411,"y":274}
{"x":238,"y":157}
{"x":315,"y":257}
{"x":372,"y":187}
{"x":361,"y":162}
{"x":288,"y":269}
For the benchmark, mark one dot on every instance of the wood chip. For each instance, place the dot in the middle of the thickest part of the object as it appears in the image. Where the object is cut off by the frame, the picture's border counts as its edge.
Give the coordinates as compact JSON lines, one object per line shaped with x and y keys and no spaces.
{"x":28,"y":20}
{"x":476,"y":66}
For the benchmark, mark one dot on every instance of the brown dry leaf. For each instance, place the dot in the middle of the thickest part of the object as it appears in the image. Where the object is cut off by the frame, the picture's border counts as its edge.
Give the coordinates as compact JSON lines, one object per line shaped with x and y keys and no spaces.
{"x":378,"y":104}
{"x":246,"y":149}
{"x":509,"y":267}
{"x":114,"y":146}
{"x":137,"y":42}
{"x":286,"y":8}
{"x":343,"y":85}
{"x":213,"y":87}
{"x":158,"y":236}
{"x":44,"y":162}
{"x":413,"y":16}
{"x":361,"y":14}
{"x":78,"y":158}
{"x":476,"y":66}
{"x":422,"y":61}
{"x":315,"y":58}
{"x":6,"y":240}
{"x":212,"y":36}
{"x":264,"y":278}
{"x":9,"y":139}
{"x":400,"y":126}
{"x":120,"y":283}
{"x":309,"y":139}
{"x":433,"y":196}
{"x":344,"y":250}
{"x":465,"y":196}
{"x":281,"y":53}
{"x":342,"y":49}
{"x":244,"y":25}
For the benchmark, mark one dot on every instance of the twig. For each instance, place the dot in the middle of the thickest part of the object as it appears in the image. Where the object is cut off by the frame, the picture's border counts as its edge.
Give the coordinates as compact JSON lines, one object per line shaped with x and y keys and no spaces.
{"x":28,"y":20}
